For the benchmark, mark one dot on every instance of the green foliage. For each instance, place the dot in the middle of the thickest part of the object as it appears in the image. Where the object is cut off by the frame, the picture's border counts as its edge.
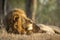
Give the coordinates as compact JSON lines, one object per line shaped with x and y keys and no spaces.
{"x":46,"y":13}
{"x":17,"y":3}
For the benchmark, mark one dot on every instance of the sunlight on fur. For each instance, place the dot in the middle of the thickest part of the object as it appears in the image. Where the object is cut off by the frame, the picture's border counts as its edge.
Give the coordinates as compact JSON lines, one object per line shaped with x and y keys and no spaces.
{"x":17,"y":22}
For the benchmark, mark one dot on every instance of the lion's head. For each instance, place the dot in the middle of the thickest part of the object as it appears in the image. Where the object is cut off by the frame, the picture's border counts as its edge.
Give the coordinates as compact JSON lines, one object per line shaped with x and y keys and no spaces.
{"x":18,"y":22}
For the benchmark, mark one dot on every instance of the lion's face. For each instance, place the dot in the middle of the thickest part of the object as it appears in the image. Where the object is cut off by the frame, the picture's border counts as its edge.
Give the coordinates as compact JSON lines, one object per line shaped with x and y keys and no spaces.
{"x":18,"y":22}
{"x":23,"y":25}
{"x":28,"y":26}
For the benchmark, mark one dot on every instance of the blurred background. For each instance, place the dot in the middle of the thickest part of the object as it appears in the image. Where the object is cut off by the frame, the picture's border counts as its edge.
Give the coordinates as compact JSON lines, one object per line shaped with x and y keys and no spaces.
{"x":40,"y":11}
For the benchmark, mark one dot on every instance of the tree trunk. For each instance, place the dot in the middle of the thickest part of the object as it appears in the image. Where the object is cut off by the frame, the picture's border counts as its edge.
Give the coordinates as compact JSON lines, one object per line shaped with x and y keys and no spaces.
{"x":34,"y":9}
{"x":1,"y":11}
{"x":28,"y":8}
{"x":31,"y":6}
{"x":5,"y":5}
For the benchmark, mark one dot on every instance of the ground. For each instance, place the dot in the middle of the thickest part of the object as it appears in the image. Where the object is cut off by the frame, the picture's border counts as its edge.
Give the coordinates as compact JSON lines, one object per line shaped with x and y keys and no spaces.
{"x":35,"y":36}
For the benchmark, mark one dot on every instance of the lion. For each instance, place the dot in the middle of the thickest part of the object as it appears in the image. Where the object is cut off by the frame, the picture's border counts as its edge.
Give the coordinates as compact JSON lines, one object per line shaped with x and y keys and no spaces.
{"x":18,"y":22}
{"x":49,"y":29}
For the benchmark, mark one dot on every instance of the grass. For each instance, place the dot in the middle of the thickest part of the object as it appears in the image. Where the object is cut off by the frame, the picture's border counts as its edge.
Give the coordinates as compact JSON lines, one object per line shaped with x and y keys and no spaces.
{"x":35,"y":36}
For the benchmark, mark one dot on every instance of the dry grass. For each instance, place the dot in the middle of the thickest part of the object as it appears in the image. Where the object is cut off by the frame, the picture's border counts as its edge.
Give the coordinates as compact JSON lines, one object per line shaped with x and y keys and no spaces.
{"x":35,"y":36}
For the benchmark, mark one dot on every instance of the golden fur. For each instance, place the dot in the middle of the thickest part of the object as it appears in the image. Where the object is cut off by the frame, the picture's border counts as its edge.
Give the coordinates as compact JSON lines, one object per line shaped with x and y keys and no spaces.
{"x":17,"y":21}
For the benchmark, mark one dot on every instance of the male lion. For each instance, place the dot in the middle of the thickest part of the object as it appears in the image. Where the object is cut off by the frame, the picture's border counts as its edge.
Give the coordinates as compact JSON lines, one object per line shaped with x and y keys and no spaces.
{"x":17,"y":22}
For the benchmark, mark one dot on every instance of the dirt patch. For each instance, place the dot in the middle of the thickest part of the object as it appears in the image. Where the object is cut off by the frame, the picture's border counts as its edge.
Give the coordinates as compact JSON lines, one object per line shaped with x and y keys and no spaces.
{"x":35,"y":36}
